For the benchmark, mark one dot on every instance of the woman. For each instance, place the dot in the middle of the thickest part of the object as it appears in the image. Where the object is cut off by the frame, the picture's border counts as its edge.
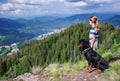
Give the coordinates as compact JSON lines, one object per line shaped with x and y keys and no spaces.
{"x":93,"y":34}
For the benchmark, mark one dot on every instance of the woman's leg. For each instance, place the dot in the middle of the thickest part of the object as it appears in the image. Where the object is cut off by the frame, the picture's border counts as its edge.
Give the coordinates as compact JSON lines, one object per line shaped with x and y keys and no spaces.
{"x":95,"y":46}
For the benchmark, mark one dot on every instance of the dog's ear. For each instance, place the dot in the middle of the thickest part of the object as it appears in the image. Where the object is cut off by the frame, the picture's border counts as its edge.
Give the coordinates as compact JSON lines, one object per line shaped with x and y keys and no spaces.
{"x":87,"y":41}
{"x":84,"y":42}
{"x":80,"y":43}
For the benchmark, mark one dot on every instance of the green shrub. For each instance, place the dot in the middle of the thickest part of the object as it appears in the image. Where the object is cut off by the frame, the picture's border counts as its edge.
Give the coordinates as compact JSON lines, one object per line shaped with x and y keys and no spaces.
{"x":36,"y":69}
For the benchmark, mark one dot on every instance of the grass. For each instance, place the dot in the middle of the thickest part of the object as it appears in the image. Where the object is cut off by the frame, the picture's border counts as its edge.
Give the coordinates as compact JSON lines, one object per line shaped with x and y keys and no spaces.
{"x":111,"y":53}
{"x":56,"y":71}
{"x":36,"y":69}
{"x":108,"y":55}
{"x":78,"y":66}
{"x":111,"y":74}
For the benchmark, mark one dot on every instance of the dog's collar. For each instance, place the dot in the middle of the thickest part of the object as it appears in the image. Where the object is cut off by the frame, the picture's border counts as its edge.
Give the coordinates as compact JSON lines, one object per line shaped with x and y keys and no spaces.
{"x":86,"y":50}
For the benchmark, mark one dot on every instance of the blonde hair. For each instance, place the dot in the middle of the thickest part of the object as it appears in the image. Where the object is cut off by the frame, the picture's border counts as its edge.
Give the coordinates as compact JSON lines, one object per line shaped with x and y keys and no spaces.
{"x":94,"y":20}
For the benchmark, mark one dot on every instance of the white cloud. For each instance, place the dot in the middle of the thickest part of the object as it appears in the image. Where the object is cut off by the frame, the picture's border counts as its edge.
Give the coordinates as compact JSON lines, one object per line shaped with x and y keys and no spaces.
{"x":18,"y":1}
{"x":76,"y":4}
{"x":36,"y":1}
{"x":25,"y":6}
{"x":46,"y":7}
{"x":18,"y":11}
{"x":1,"y":12}
{"x":99,"y":1}
{"x":6,"y":6}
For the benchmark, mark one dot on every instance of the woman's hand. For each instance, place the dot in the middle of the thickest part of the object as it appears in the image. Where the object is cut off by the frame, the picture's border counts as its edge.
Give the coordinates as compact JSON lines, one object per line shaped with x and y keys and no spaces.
{"x":92,"y":41}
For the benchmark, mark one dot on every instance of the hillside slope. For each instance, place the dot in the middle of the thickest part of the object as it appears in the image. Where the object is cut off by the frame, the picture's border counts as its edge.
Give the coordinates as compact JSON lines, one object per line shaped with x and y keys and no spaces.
{"x":58,"y":48}
{"x":71,"y":73}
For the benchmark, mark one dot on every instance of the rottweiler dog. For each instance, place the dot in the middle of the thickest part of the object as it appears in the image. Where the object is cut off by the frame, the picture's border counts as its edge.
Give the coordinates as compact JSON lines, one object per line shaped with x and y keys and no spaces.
{"x":93,"y":58}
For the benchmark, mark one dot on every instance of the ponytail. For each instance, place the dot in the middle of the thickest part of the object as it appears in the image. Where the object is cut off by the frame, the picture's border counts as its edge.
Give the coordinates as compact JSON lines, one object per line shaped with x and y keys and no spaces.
{"x":97,"y":24}
{"x":94,"y":20}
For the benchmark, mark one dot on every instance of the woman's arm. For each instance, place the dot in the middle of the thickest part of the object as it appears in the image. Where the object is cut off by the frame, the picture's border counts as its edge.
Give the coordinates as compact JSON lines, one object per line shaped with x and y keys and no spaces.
{"x":97,"y":29}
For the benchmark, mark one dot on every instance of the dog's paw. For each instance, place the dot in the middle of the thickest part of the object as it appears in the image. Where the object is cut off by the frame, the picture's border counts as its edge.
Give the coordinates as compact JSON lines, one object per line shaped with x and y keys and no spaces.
{"x":89,"y":69}
{"x":98,"y":71}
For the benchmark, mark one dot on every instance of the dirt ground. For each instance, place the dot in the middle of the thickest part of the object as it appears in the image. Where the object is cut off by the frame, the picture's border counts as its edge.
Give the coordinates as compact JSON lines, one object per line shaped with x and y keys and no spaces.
{"x":83,"y":76}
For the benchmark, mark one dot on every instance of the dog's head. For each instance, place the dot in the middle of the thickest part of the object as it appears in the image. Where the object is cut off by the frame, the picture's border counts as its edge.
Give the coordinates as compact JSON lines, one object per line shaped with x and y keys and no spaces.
{"x":83,"y":44}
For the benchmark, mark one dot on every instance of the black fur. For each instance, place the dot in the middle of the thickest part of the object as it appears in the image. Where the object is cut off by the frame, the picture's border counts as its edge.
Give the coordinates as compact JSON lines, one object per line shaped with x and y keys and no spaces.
{"x":92,"y":57}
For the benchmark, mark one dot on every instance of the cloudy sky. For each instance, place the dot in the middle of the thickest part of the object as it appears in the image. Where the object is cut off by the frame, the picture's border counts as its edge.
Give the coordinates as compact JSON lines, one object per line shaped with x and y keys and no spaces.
{"x":32,"y":8}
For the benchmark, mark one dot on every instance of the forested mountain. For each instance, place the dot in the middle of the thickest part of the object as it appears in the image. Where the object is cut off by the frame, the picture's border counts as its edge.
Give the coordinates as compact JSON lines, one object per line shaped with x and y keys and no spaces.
{"x":9,"y":32}
{"x":57,"y":48}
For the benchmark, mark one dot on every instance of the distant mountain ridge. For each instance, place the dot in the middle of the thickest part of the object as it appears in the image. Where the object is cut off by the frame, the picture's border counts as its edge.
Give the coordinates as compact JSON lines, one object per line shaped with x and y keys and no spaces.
{"x":28,"y":28}
{"x":8,"y":23}
{"x":115,"y":20}
{"x":85,"y":17}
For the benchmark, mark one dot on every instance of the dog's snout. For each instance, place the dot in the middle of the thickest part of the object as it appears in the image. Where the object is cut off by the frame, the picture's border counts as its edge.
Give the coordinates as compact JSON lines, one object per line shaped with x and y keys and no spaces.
{"x":79,"y":45}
